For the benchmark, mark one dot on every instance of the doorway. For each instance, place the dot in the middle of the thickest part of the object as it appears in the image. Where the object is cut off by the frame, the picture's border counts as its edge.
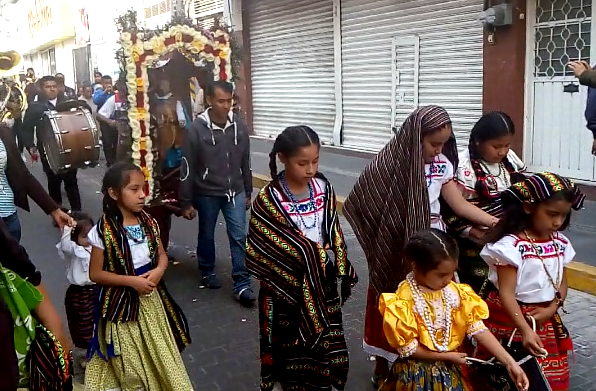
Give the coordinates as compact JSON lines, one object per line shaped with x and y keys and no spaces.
{"x":556,"y":137}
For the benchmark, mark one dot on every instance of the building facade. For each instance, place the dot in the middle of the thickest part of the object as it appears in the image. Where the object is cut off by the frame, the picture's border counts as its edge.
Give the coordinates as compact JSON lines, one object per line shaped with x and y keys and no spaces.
{"x":354,"y":69}
{"x":48,"y":36}
{"x":527,"y":67}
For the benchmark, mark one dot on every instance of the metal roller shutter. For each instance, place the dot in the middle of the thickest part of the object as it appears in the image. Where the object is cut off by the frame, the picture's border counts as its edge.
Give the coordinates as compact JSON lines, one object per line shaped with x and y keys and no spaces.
{"x":427,"y":51}
{"x":291,"y":48}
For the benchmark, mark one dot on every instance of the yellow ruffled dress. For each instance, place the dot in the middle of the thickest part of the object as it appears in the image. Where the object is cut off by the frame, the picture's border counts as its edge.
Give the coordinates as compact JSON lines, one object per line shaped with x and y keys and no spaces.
{"x":405,"y":329}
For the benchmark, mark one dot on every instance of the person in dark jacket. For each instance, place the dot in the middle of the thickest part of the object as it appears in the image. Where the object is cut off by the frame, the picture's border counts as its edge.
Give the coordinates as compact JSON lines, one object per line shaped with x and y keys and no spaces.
{"x":19,"y":185}
{"x":68,"y":92}
{"x":16,"y":259}
{"x":216,"y":177}
{"x":587,"y":77}
{"x":48,"y":99}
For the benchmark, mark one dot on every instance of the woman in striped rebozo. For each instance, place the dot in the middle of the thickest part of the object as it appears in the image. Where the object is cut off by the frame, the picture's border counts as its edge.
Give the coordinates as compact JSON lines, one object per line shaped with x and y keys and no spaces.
{"x":398,"y":194}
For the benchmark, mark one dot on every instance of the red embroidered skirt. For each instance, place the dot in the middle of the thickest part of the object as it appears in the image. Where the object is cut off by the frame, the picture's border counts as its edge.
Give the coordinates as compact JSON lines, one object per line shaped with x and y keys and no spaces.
{"x":554,"y":336}
{"x":375,"y":342}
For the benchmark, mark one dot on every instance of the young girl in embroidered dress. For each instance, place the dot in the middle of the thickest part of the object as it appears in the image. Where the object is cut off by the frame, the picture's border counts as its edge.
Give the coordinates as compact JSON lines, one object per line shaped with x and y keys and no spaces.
{"x":139,"y":330}
{"x":430,"y":316}
{"x":527,"y":258}
{"x":296,"y":249}
{"x":486,"y":168}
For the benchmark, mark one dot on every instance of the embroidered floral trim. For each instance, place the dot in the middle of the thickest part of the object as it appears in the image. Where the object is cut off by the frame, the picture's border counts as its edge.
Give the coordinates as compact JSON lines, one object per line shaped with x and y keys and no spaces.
{"x":408,"y":350}
{"x":476,"y":328}
{"x":139,"y":54}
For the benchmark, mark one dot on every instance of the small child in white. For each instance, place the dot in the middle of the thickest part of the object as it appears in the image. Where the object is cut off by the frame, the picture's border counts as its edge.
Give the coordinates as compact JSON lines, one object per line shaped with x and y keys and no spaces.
{"x":81,"y":295}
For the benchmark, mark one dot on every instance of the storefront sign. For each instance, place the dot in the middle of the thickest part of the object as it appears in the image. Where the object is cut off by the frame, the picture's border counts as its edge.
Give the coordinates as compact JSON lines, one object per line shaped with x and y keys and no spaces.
{"x":48,"y":21}
{"x":39,"y":17}
{"x":82,"y":27}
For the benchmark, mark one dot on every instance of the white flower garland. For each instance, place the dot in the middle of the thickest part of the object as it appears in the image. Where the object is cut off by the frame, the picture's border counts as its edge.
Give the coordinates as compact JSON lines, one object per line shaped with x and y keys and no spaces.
{"x":132,"y":53}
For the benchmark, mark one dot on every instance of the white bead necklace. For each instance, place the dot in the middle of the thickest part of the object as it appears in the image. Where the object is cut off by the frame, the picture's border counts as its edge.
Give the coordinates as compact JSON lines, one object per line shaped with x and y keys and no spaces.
{"x":442,"y":332}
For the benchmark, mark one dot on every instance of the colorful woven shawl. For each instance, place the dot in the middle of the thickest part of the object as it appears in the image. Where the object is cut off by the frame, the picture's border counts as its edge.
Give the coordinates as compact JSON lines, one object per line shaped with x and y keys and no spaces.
{"x":121,"y":304}
{"x":280,"y":256}
{"x":389,"y":202}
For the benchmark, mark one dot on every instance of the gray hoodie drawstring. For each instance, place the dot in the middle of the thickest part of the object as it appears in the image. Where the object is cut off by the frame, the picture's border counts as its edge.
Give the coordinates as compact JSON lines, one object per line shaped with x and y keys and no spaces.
{"x":235,"y":134}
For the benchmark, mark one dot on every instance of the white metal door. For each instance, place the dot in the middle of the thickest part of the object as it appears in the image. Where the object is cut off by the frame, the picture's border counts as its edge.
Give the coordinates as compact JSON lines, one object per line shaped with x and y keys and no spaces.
{"x":292,"y":65}
{"x":556,"y":138}
{"x":398,"y":55}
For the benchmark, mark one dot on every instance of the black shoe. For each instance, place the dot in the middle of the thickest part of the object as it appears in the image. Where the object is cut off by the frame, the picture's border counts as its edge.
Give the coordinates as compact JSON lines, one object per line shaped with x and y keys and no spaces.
{"x":245,"y":297}
{"x":210,"y":281}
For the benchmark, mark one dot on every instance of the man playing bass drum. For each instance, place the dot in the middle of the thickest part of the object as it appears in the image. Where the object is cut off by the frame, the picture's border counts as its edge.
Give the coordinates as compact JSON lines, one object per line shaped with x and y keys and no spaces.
{"x":49,"y":97}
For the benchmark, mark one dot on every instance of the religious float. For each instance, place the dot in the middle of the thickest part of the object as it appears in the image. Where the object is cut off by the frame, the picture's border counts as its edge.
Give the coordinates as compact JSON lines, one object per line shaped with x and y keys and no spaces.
{"x":163,"y":73}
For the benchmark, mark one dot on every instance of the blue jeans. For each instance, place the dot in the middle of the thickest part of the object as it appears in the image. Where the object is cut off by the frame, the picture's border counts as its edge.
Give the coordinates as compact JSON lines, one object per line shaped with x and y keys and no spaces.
{"x":234,"y":214}
{"x":13,"y":224}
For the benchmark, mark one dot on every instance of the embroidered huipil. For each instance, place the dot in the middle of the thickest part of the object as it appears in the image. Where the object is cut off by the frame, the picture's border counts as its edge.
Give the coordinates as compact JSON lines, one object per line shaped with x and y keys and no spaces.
{"x":533,"y":284}
{"x":304,"y":213}
{"x":403,"y":322}
{"x":436,"y":174}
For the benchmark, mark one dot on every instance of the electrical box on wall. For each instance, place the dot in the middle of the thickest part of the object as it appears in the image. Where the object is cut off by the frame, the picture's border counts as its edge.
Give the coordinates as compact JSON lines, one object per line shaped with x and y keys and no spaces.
{"x":497,"y":15}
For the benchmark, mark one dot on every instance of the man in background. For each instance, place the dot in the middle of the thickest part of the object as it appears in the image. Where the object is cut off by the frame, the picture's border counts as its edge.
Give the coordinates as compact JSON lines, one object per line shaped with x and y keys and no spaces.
{"x":31,"y":89}
{"x":587,"y":77}
{"x":108,"y":124}
{"x":216,"y":178}
{"x":102,"y":94}
{"x":49,"y":97}
{"x":68,"y":92}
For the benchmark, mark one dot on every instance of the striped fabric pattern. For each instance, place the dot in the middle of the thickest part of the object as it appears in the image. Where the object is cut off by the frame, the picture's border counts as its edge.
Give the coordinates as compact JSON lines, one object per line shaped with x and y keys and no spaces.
{"x":121,"y":304}
{"x":193,"y":91}
{"x":293,"y":266}
{"x":79,"y":304}
{"x":390,"y":202}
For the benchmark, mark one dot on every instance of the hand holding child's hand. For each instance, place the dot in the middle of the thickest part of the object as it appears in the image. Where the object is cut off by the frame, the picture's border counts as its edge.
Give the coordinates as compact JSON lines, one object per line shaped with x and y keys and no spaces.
{"x":142,"y":285}
{"x":455,"y":358}
{"x":154,"y":275}
{"x":518,"y":376}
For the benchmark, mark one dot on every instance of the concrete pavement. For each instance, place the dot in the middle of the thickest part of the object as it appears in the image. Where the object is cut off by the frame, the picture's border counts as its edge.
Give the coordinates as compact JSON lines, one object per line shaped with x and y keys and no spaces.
{"x":224,"y":353}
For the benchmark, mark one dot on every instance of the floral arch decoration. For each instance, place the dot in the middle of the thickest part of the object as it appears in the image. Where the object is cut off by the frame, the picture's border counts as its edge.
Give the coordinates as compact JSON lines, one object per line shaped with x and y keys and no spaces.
{"x":140,"y":50}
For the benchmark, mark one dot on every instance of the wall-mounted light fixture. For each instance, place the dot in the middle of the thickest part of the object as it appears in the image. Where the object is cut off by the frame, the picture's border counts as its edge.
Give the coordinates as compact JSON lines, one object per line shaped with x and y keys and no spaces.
{"x":497,"y":15}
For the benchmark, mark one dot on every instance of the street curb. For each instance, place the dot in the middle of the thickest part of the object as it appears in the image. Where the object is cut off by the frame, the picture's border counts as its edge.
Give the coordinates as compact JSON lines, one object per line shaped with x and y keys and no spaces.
{"x":580,"y":276}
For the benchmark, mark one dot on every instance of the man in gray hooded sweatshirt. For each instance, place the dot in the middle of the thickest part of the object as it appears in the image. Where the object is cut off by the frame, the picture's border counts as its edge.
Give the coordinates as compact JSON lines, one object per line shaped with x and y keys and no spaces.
{"x":216,"y":177}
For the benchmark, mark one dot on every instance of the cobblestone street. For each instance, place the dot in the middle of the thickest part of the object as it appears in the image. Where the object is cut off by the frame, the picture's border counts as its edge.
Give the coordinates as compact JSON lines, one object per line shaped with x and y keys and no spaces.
{"x":224,"y":353}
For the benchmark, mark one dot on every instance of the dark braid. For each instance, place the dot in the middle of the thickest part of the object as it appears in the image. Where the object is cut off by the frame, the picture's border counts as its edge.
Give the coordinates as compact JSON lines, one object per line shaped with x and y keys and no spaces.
{"x":288,"y":143}
{"x":489,"y":127}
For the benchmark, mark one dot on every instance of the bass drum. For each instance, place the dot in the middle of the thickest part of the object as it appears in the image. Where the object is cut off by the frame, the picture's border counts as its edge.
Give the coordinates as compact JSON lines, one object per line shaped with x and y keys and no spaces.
{"x":70,"y":139}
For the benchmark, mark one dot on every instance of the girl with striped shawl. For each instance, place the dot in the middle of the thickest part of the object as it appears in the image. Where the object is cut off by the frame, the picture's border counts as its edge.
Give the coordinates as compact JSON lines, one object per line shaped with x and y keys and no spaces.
{"x":398,"y":194}
{"x":296,"y":249}
{"x":139,"y":329}
{"x":486,"y":168}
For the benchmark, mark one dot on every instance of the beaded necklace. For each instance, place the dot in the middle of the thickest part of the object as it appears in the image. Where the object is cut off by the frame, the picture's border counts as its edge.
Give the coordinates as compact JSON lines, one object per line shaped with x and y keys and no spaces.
{"x":501,"y":174}
{"x":442,"y":332}
{"x":311,"y":203}
{"x":556,"y":283}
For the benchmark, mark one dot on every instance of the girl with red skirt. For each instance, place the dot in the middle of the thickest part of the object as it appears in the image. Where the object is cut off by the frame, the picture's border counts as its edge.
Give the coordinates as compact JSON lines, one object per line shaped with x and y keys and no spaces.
{"x":527,"y":256}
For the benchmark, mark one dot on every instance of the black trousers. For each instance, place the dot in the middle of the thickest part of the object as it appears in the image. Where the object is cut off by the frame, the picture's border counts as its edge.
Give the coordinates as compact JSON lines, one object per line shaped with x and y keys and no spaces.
{"x":109,"y":138}
{"x":71,"y":185}
{"x":9,"y":372}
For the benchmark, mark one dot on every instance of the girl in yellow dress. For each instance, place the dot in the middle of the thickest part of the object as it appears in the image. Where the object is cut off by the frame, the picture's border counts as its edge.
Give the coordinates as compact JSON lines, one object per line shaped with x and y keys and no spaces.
{"x":429,"y":318}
